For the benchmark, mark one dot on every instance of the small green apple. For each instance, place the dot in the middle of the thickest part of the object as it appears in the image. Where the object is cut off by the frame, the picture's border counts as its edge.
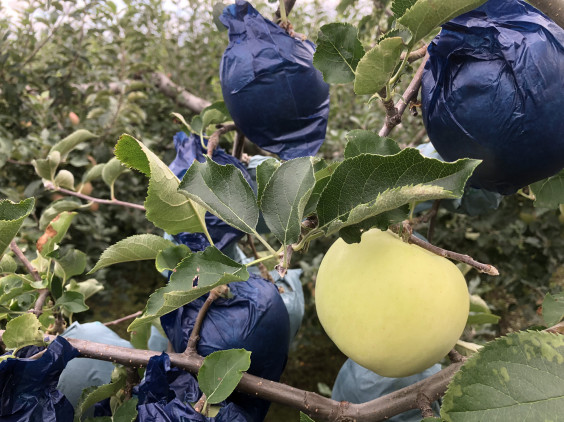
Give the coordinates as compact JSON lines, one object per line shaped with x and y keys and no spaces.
{"x":390,"y":306}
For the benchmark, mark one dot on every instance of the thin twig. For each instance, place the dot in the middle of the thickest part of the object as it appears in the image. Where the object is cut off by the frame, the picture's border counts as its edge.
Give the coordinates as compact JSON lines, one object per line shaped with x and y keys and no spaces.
{"x":424,"y":404}
{"x":406,"y":228}
{"x":51,"y":186}
{"x":415,"y":54}
{"x":23,"y":259}
{"x":43,"y":293}
{"x":125,"y":318}
{"x":455,"y":357}
{"x":238,"y":145}
{"x":195,"y":334}
{"x":213,"y":142}
{"x":263,"y":270}
{"x":410,"y":93}
{"x":199,"y":406}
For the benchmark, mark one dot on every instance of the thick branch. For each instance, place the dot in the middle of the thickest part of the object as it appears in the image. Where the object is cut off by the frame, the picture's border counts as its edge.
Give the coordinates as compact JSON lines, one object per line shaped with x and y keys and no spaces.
{"x":554,"y":9}
{"x":317,"y":406}
{"x":393,"y":119}
{"x":177,"y":93}
{"x":51,"y":186}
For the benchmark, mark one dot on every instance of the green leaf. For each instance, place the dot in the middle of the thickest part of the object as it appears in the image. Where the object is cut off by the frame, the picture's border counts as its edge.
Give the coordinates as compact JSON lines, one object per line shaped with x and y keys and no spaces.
{"x":46,"y":167}
{"x":127,"y":412}
{"x":138,"y":247}
{"x":515,"y":378}
{"x":55,"y":208}
{"x":168,"y":258}
{"x":478,"y":318}
{"x":13,"y":285}
{"x":368,"y":142}
{"x":264,"y":173}
{"x":426,"y":15}
{"x":139,"y":337}
{"x":209,"y":268}
{"x":377,"y":66}
{"x":338,"y":52}
{"x":367,"y":185}
{"x":285,"y":197}
{"x":67,"y":144}
{"x":64,"y":179}
{"x":223,"y":191}
{"x":400,"y":6}
{"x":305,"y":418}
{"x":72,"y":263}
{"x":22,"y":331}
{"x":214,"y":114}
{"x":344,"y":5}
{"x":8,"y":264}
{"x":72,"y":301}
{"x":92,"y":395}
{"x":221,"y":372}
{"x":549,"y":193}
{"x":166,"y":208}
{"x":181,"y":119}
{"x":93,"y":173}
{"x":322,"y":177}
{"x":217,"y":11}
{"x":477,"y":304}
{"x":88,"y":288}
{"x":111,"y":171}
{"x":553,"y":309}
{"x":12,"y":216}
{"x":55,"y":232}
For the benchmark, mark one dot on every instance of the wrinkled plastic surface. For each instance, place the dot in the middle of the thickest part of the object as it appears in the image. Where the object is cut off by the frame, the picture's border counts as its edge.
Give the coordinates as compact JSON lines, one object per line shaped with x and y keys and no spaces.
{"x":188,"y":149}
{"x":473,"y":202}
{"x":82,"y":372}
{"x":493,"y":89}
{"x":357,"y":384}
{"x":28,"y":387}
{"x":272,"y":90}
{"x":255,"y":319}
{"x":166,"y":393}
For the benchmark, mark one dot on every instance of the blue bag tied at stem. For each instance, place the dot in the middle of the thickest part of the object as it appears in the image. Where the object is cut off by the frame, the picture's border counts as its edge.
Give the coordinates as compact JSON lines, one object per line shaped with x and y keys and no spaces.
{"x":272,"y":90}
{"x":493,"y":89}
{"x":28,"y":387}
{"x":166,"y":394}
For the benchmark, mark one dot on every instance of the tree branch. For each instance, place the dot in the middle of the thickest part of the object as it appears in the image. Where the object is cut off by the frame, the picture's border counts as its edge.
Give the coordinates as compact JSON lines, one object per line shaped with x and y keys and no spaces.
{"x":125,"y":318}
{"x":213,"y":142}
{"x":177,"y":93}
{"x":394,"y":113}
{"x":43,"y":293}
{"x":51,"y":186}
{"x":195,"y":334}
{"x":318,"y":407}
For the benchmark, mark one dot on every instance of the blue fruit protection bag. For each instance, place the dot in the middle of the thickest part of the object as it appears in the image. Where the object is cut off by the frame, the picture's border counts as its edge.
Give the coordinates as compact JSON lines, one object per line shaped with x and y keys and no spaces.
{"x":272,"y":90}
{"x":493,"y":89}
{"x":28,"y":387}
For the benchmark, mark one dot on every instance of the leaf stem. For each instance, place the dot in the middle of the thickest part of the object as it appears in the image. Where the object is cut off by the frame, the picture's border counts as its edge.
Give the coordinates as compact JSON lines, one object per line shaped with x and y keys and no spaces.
{"x":404,"y":62}
{"x":265,"y":243}
{"x":283,"y":15}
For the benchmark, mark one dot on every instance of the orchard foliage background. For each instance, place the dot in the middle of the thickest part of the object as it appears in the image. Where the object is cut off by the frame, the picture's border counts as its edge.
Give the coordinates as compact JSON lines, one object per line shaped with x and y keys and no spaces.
{"x":104,"y":63}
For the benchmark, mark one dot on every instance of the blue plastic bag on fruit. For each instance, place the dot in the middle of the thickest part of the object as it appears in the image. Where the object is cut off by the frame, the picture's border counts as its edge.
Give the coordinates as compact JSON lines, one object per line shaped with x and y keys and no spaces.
{"x":254,"y":318}
{"x":28,"y":390}
{"x":272,"y":90}
{"x":493,"y":89}
{"x":188,"y":149}
{"x":166,"y":394}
